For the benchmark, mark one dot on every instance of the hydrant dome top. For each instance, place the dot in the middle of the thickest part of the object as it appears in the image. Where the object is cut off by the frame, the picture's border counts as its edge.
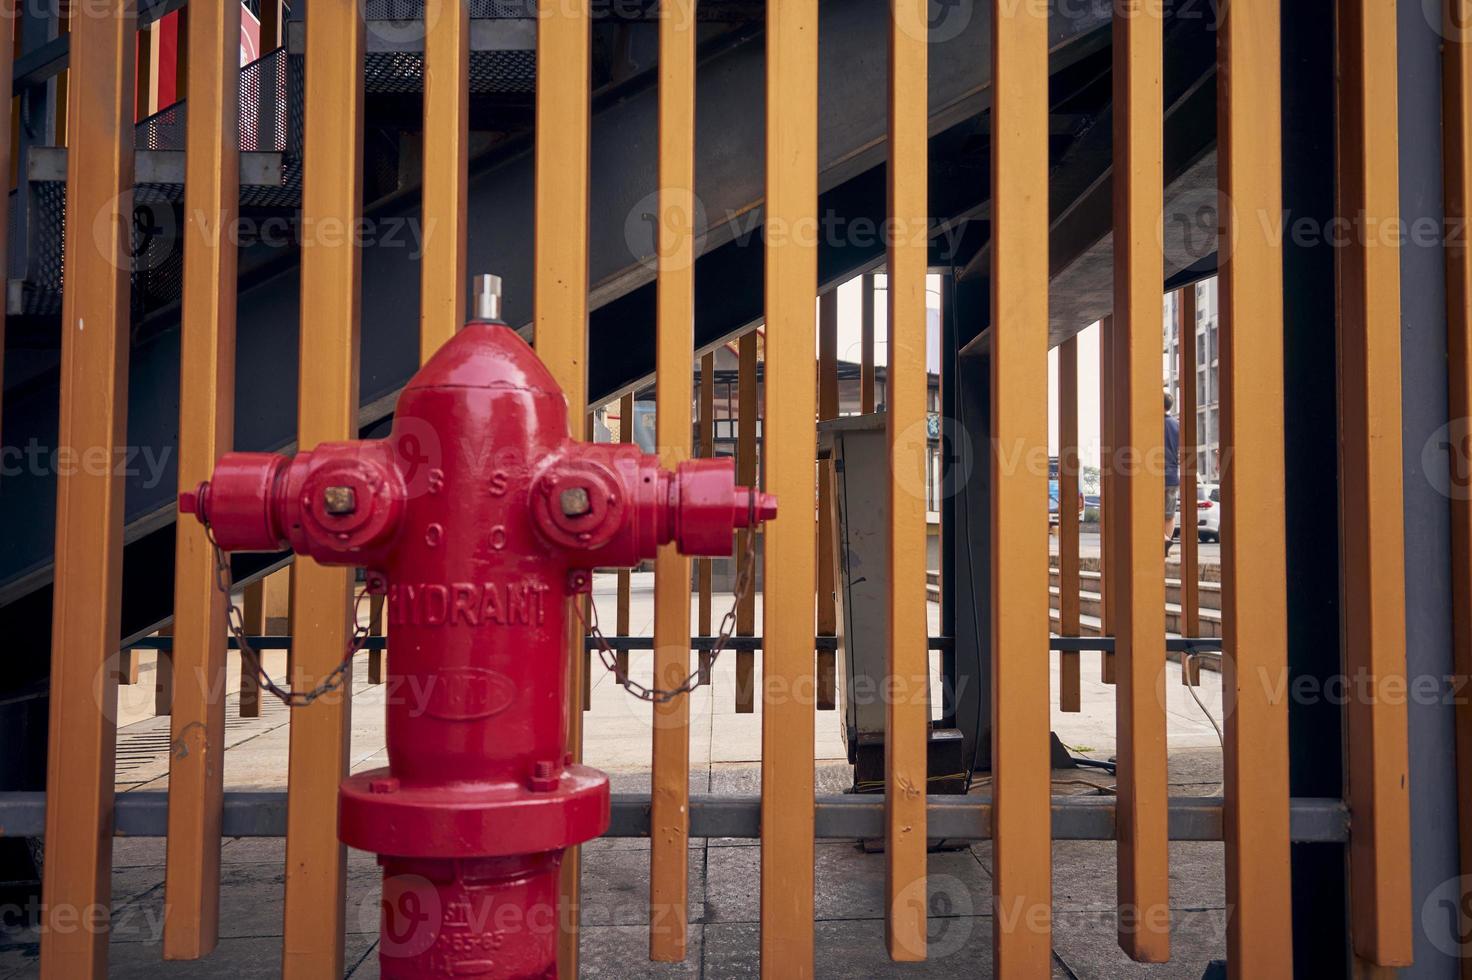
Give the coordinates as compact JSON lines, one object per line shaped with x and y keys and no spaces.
{"x":486,"y":355}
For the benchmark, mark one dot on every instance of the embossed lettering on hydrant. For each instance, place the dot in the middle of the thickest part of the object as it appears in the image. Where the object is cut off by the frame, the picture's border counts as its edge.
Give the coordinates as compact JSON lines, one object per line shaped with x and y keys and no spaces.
{"x":520,"y":603}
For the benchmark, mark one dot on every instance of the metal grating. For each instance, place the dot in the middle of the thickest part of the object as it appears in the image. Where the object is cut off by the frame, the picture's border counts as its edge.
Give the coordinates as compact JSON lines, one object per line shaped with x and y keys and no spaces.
{"x":491,"y":72}
{"x":266,"y":120}
{"x":479,"y":9}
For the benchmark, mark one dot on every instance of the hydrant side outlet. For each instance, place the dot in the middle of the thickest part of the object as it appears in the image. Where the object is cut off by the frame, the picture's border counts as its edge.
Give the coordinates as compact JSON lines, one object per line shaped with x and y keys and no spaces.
{"x":483,"y":517}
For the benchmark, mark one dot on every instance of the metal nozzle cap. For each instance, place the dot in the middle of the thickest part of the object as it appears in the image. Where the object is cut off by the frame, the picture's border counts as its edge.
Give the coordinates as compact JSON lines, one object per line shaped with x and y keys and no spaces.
{"x":487,"y":297}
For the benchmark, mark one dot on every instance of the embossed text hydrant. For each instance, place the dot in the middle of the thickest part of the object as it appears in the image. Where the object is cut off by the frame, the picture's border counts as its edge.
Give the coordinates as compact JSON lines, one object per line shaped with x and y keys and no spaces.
{"x":479,"y":517}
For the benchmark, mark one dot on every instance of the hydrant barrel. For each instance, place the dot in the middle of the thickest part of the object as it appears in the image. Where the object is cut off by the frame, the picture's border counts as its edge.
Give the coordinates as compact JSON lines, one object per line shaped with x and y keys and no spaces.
{"x":479,"y":517}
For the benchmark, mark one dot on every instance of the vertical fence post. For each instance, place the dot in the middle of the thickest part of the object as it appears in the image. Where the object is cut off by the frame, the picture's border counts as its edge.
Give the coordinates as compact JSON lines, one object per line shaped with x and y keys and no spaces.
{"x":1022,"y":791}
{"x":705,"y":567}
{"x":443,"y":284}
{"x":1189,"y":397}
{"x":375,"y":628}
{"x":625,"y":435}
{"x":163,"y":676}
{"x":8,"y":142}
{"x":788,"y":435}
{"x":866,"y":344}
{"x":907,"y":708}
{"x":827,"y":581}
{"x":206,"y":430}
{"x":327,"y":411}
{"x":1069,"y":697}
{"x":1254,"y":573}
{"x":560,"y":313}
{"x":253,"y":602}
{"x":1457,"y":112}
{"x":746,"y":474}
{"x":89,"y":503}
{"x":670,"y":797}
{"x":1139,"y":634}
{"x":1373,"y":534}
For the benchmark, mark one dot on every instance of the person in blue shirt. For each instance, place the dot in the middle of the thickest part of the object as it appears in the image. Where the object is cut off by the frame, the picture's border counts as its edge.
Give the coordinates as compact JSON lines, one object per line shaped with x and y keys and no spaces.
{"x":1172,"y":471}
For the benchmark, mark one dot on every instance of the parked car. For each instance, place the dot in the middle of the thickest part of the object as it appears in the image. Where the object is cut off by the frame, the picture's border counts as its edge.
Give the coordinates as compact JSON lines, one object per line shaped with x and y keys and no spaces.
{"x":1209,"y":512}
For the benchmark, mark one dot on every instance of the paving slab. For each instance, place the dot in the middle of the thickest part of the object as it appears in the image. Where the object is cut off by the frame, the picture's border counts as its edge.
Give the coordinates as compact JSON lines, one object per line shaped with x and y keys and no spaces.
{"x":848,"y":883}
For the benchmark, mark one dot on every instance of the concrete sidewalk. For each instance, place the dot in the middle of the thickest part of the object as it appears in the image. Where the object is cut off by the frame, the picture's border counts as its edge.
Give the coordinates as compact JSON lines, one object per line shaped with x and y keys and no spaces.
{"x":725,"y":754}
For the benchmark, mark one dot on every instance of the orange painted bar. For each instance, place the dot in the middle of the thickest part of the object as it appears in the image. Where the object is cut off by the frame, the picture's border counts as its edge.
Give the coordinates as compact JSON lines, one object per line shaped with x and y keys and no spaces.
{"x":827,"y":409}
{"x":1382,"y":920}
{"x":675,"y":338}
{"x":206,"y":430}
{"x":1457,"y":134}
{"x":1069,"y":680}
{"x":1254,"y":563}
{"x":1139,"y":605}
{"x":316,"y":864}
{"x":1021,"y":787}
{"x":746,"y":475}
{"x":86,"y":602}
{"x":560,"y":311}
{"x":789,"y":434}
{"x":907,"y":669}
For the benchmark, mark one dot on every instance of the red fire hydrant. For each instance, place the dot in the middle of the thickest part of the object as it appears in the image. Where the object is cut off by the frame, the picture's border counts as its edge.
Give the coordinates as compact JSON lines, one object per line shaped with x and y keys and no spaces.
{"x":478,"y":516}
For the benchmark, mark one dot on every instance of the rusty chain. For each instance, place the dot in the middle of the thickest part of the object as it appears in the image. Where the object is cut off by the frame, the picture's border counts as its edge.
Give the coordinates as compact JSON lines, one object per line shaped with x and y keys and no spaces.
{"x":235,"y":619}
{"x":745,"y":576}
{"x":251,"y":658}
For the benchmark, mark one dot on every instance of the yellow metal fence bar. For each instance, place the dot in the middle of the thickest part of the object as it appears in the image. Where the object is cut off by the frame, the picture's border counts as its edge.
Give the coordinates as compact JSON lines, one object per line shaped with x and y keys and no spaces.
{"x":327,"y":411}
{"x":1021,"y":833}
{"x":788,"y":436}
{"x":1069,"y":696}
{"x":206,"y":429}
{"x":1139,"y":632}
{"x":1254,"y":572}
{"x":827,"y":409}
{"x":253,"y":613}
{"x":1372,"y":531}
{"x":907,"y":708}
{"x":746,"y":474}
{"x":560,"y":312}
{"x":443,"y":276}
{"x":1190,"y":574}
{"x":1457,"y":128}
{"x":625,"y":435}
{"x":89,"y":501}
{"x":707,"y":451}
{"x":866,"y":344}
{"x":675,"y":322}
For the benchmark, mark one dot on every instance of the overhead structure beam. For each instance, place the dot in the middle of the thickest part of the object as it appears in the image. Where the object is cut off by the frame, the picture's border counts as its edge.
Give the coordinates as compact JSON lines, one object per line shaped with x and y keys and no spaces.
{"x":907,"y":668}
{"x":1372,"y":533}
{"x":316,"y":862}
{"x":675,"y":339}
{"x":206,"y":430}
{"x":789,"y":433}
{"x":1022,"y":847}
{"x":82,"y":736}
{"x":1254,"y":562}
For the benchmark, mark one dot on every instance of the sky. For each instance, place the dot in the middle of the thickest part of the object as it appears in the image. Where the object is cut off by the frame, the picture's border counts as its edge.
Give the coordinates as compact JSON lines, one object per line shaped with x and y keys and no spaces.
{"x":850,"y":299}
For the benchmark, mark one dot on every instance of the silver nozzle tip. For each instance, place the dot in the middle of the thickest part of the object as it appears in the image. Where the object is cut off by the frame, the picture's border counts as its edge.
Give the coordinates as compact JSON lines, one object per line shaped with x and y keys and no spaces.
{"x":487,"y":297}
